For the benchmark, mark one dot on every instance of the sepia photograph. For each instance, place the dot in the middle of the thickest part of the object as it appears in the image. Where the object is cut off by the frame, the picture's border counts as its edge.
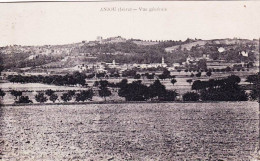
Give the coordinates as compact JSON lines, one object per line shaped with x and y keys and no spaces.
{"x":123,"y":80}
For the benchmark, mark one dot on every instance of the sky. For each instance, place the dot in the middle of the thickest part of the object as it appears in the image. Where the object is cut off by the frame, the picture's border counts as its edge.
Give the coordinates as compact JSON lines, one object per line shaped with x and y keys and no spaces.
{"x":63,"y":23}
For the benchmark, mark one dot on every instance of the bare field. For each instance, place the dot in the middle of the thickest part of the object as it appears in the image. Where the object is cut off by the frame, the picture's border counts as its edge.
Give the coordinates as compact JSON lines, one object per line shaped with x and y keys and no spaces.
{"x":172,"y":131}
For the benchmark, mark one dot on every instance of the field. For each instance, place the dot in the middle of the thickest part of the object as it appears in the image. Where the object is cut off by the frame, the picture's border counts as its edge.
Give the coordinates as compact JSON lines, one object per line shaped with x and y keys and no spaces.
{"x":172,"y":131}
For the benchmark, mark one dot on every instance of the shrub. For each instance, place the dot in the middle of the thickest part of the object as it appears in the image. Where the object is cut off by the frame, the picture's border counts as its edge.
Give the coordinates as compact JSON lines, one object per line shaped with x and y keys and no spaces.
{"x":191,"y":96}
{"x":16,"y":93}
{"x":2,"y":93}
{"x":23,"y":99}
{"x":40,"y":98}
{"x":66,"y":97}
{"x":168,"y":95}
{"x":49,"y":92}
{"x":173,"y":81}
{"x":53,"y":97}
{"x":104,"y":92}
{"x":84,"y":95}
{"x":71,"y":93}
{"x":189,"y":81}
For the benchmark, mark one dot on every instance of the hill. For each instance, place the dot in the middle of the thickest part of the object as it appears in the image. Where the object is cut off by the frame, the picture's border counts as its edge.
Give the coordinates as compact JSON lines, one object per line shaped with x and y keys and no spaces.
{"x":125,"y":51}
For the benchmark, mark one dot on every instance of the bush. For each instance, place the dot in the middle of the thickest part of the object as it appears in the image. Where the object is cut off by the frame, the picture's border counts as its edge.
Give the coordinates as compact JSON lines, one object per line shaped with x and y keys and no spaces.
{"x":40,"y":98}
{"x":2,"y":93}
{"x":84,"y":95}
{"x":49,"y":92}
{"x":53,"y":97}
{"x":23,"y":99}
{"x":16,"y":93}
{"x":168,"y":96}
{"x":66,"y":97}
{"x":191,"y":96}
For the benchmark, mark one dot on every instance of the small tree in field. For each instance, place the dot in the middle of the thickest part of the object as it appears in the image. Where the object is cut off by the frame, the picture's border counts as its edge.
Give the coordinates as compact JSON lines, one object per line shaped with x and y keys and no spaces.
{"x":40,"y":98}
{"x":16,"y":93}
{"x":104,"y":92}
{"x":49,"y":92}
{"x":84,"y":95}
{"x":2,"y":93}
{"x":53,"y":97}
{"x":173,"y":81}
{"x":189,"y":81}
{"x":23,"y":99}
{"x":208,"y":73}
{"x":66,"y":97}
{"x":191,"y":96}
{"x":198,"y":74}
{"x":71,"y":93}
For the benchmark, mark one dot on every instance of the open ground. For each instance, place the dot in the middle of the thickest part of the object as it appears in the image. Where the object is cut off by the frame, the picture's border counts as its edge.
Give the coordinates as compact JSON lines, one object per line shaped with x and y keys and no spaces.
{"x":164,"y":131}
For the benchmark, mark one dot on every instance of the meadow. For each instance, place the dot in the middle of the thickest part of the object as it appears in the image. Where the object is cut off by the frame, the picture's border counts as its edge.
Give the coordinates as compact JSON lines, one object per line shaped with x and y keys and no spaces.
{"x":144,"y":131}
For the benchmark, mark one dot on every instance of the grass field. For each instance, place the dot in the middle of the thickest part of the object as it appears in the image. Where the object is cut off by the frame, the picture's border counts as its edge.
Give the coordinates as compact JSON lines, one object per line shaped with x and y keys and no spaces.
{"x":172,"y":131}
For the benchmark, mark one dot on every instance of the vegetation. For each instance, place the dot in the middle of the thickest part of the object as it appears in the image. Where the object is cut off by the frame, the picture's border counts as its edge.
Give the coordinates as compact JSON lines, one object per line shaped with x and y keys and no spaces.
{"x":220,"y":90}
{"x":189,"y":81}
{"x":66,"y":97}
{"x":2,"y":93}
{"x":173,"y":81}
{"x":53,"y":97}
{"x":84,"y":95}
{"x":40,"y":97}
{"x":69,"y":79}
{"x":103,"y":89}
{"x":23,"y":99}
{"x":255,"y":81}
{"x":191,"y":96}
{"x":136,"y":91}
{"x":49,"y":92}
{"x":16,"y":93}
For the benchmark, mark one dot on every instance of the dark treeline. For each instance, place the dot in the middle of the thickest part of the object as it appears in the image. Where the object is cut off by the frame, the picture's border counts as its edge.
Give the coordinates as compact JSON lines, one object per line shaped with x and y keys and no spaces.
{"x":78,"y":78}
{"x":227,"y":89}
{"x":136,"y":91}
{"x":69,"y":79}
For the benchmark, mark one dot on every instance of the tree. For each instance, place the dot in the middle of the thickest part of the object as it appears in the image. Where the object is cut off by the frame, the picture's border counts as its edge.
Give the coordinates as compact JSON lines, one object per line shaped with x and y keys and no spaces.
{"x":191,"y":96}
{"x":198,"y":74}
{"x":40,"y":98}
{"x":189,"y":81}
{"x":137,"y":76}
{"x":169,"y":96}
{"x":66,"y":97}
{"x":16,"y":93}
{"x":202,"y":64}
{"x":173,"y":81}
{"x":209,"y":73}
{"x":104,"y":92}
{"x":71,"y":93}
{"x":157,"y":89}
{"x":23,"y":99}
{"x":49,"y":92}
{"x":191,"y":75}
{"x":2,"y":93}
{"x":53,"y":97}
{"x":84,"y":95}
{"x":134,"y":91}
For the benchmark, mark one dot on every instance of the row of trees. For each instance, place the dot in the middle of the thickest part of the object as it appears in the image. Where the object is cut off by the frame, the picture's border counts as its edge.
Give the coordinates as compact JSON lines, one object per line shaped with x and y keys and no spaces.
{"x":49,"y":94}
{"x":227,"y":89}
{"x":69,"y":79}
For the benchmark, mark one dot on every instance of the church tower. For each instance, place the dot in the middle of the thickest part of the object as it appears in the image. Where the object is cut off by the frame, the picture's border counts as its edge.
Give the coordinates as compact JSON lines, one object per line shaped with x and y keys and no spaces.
{"x":162,"y":60}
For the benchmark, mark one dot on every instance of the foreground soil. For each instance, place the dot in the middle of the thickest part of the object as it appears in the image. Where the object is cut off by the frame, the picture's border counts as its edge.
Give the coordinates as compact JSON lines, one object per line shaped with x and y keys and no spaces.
{"x":174,"y":131}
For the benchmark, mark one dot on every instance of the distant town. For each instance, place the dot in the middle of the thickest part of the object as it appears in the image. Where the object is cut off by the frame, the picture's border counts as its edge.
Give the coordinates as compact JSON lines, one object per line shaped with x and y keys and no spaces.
{"x":117,"y":54}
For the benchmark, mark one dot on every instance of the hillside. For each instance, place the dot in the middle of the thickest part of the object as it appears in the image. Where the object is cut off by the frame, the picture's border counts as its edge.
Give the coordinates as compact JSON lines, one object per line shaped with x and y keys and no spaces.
{"x":125,"y":51}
